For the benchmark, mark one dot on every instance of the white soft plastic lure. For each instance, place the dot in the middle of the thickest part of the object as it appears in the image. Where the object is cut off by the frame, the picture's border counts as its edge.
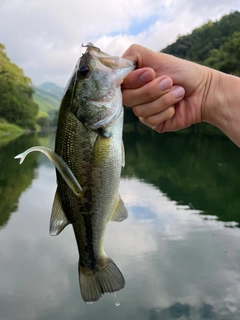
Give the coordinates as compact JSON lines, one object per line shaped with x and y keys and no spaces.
{"x":59,"y":163}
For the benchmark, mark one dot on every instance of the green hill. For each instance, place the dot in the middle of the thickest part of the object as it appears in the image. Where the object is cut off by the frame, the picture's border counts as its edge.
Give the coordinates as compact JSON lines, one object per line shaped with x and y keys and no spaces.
{"x":52,"y":89}
{"x":214,"y":44}
{"x":48,"y":97}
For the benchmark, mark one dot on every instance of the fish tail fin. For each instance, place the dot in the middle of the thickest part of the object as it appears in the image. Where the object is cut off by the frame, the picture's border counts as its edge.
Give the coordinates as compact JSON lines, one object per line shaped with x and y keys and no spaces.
{"x":107,"y":280}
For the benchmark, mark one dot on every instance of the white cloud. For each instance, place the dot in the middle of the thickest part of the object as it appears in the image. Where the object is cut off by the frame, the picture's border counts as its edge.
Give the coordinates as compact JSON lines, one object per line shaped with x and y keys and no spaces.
{"x":44,"y":37}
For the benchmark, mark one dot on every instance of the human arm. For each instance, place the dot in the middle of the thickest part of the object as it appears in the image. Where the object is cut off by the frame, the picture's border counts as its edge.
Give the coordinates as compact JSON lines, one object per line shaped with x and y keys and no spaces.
{"x":204,"y":94}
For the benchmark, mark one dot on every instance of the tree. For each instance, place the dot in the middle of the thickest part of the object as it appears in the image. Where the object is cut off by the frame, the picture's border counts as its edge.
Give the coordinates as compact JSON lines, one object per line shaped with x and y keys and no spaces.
{"x":43,"y":119}
{"x":212,"y":35}
{"x":227,"y":57}
{"x":16,"y":103}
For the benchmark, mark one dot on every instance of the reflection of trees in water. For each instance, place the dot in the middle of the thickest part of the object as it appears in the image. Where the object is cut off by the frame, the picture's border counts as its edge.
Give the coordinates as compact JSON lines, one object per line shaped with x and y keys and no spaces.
{"x":186,"y":311}
{"x":15,"y":178}
{"x":198,"y":169}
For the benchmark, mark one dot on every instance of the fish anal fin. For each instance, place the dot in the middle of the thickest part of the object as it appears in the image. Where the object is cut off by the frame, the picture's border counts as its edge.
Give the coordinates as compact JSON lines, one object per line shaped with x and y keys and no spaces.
{"x":94,"y":284}
{"x":58,"y":219}
{"x":120,"y":212}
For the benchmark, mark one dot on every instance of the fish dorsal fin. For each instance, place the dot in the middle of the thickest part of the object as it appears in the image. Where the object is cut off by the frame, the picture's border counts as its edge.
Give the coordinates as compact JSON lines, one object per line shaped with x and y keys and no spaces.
{"x":58,"y":219}
{"x":123,"y":155}
{"x":120,"y":212}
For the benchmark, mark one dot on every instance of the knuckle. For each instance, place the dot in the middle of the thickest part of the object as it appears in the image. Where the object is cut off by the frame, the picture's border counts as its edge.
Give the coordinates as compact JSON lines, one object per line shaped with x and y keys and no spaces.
{"x":137,"y":110}
{"x":166,"y":100}
{"x":127,"y":98}
{"x":171,"y":112}
{"x":151,"y":92}
{"x":133,"y":47}
{"x":151,"y":121}
{"x":125,"y":101}
{"x":132,"y":50}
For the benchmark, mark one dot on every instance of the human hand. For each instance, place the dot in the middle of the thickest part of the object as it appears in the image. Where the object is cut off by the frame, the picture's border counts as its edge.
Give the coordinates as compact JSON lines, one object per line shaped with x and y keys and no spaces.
{"x":165,"y":92}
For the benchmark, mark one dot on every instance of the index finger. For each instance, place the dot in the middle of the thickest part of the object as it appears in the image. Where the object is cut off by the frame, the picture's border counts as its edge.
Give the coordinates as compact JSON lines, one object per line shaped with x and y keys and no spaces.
{"x":143,"y":57}
{"x":138,"y":78}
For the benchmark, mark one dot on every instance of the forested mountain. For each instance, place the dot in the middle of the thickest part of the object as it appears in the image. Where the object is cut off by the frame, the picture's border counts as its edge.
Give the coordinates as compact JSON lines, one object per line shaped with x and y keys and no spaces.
{"x":215,"y":44}
{"x":23,"y":104}
{"x":54,"y":90}
{"x":16,"y":103}
{"x":48,"y":98}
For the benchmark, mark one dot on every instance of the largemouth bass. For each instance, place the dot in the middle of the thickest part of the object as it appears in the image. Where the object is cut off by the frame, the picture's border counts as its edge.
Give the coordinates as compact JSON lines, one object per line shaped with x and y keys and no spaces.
{"x":89,"y":141}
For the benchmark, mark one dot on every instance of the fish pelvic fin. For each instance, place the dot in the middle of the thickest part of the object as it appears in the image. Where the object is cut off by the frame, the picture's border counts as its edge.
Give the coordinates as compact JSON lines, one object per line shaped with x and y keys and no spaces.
{"x":94,"y":284}
{"x":58,"y":219}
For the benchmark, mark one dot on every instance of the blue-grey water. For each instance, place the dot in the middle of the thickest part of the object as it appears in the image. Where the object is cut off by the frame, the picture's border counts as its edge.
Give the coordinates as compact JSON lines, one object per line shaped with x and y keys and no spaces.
{"x":179,"y":249}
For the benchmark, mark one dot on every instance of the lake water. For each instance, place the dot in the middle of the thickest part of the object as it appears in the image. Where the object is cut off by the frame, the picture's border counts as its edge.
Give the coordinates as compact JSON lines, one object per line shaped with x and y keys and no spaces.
{"x":179,"y":249}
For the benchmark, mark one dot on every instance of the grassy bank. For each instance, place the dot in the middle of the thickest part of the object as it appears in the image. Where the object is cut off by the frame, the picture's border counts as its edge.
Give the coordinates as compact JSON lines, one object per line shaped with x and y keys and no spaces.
{"x":8,"y":131}
{"x":7,"y":128}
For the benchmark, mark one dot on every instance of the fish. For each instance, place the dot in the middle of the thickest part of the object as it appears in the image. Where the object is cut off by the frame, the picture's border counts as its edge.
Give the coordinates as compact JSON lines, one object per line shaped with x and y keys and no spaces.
{"x":89,"y":142}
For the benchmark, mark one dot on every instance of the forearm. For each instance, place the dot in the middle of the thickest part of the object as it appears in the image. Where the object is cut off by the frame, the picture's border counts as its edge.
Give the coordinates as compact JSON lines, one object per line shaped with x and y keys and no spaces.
{"x":222,"y":105}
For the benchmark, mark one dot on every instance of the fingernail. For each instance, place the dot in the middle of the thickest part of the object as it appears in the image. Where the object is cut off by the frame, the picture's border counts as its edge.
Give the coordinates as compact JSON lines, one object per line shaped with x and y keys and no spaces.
{"x":178,"y":92}
{"x":165,"y":84}
{"x":146,"y":77}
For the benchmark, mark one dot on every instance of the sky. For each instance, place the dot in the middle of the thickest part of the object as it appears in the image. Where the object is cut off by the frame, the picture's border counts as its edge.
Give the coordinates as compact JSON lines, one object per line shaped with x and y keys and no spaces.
{"x":44,"y":37}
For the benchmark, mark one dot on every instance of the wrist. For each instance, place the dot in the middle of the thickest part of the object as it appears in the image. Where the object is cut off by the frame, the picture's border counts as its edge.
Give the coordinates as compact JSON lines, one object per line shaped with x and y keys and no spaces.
{"x":221,"y":106}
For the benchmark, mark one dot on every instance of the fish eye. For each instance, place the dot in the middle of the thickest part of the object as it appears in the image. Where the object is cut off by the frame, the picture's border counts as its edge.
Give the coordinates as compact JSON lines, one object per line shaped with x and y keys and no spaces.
{"x":83,"y":71}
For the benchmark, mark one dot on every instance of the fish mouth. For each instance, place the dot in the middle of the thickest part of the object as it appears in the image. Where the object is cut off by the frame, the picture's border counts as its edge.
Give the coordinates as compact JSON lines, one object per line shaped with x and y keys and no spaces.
{"x":122,"y":66}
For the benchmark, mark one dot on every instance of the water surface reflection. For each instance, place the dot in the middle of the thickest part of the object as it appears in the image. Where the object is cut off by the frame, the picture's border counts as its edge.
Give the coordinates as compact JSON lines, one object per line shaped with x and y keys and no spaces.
{"x":14,"y":179}
{"x":177,"y":264}
{"x":201,"y":170}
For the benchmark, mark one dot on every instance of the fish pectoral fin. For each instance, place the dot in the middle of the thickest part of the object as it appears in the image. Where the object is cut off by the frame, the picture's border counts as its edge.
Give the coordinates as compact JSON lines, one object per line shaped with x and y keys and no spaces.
{"x":120,"y":212}
{"x":58,"y":219}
